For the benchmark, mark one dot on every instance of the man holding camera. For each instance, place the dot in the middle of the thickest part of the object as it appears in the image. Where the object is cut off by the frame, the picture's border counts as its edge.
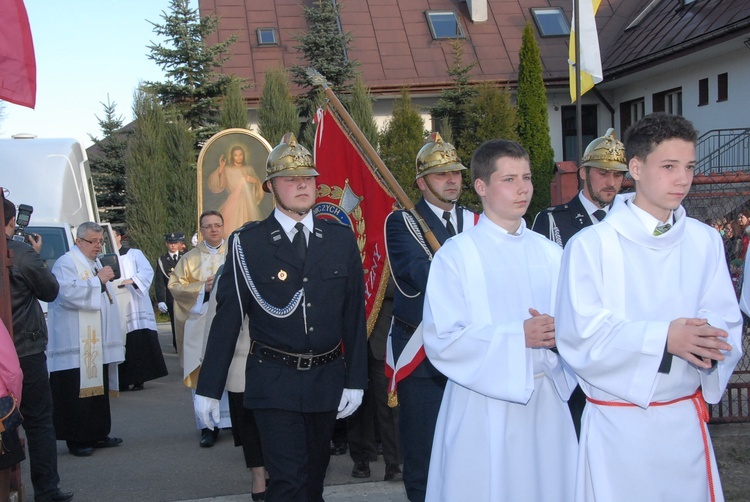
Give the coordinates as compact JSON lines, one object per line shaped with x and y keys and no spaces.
{"x":85,"y":345}
{"x":31,"y":281}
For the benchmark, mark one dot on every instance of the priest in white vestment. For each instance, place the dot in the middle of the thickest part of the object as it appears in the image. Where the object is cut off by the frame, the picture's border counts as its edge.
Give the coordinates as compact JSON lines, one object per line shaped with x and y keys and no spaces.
{"x":191,"y":285}
{"x":647,"y":316}
{"x":143,"y":357}
{"x":504,"y":432}
{"x":85,"y":345}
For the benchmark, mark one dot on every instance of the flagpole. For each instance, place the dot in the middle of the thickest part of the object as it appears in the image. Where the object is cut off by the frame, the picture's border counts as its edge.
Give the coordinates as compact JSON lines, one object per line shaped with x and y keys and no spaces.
{"x":361,"y":141}
{"x":579,"y":125}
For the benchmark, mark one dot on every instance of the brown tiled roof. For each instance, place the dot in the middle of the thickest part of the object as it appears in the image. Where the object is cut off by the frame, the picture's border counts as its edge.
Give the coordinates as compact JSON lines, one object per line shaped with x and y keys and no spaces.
{"x":671,"y":30}
{"x":394,"y":47}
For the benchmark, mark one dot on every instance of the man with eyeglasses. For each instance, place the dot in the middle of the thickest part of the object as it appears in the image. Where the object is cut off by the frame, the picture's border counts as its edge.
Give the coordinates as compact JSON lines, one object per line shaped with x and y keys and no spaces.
{"x":85,"y":345}
{"x":191,"y":285}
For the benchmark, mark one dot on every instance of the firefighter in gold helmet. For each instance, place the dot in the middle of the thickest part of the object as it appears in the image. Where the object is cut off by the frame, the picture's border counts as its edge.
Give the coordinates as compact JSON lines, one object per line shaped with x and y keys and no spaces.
{"x":299,"y":281}
{"x":438,"y":177}
{"x":602,"y":170}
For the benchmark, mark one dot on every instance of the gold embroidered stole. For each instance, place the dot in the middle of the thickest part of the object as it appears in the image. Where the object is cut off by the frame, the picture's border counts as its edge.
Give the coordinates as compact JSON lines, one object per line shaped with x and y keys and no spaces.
{"x":89,"y":343}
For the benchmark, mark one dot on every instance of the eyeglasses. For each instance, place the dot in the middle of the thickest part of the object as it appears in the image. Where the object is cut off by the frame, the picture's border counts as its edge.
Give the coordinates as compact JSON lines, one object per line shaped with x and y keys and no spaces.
{"x":99,"y":242}
{"x":212,"y":226}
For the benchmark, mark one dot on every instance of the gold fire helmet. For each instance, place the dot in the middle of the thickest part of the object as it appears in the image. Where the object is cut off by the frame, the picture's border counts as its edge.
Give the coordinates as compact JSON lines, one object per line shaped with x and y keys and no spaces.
{"x":606,"y":152}
{"x":289,"y":158}
{"x":437,"y":156}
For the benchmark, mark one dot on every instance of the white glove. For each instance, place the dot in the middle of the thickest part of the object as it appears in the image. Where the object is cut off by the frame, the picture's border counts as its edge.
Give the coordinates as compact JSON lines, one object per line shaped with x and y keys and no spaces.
{"x":207,"y":410}
{"x":162,"y":307}
{"x":350,"y":401}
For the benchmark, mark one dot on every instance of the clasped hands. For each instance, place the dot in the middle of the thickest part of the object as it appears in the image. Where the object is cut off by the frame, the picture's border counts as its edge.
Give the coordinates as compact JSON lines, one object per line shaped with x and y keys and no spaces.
{"x":696,"y":341}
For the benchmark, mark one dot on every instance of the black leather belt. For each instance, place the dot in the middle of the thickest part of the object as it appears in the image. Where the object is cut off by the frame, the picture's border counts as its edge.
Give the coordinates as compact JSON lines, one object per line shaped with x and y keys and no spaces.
{"x":301,"y":362}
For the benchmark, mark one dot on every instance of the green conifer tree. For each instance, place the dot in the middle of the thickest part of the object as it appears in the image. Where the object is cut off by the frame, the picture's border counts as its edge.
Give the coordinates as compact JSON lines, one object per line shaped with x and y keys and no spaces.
{"x":182,"y":178}
{"x":533,"y":121}
{"x":277,"y":114}
{"x":360,"y":109}
{"x":233,"y":110}
{"x":146,"y":171}
{"x":324,"y":48}
{"x":108,"y":165}
{"x":193,"y":87}
{"x":400,"y":141}
{"x":452,"y":102}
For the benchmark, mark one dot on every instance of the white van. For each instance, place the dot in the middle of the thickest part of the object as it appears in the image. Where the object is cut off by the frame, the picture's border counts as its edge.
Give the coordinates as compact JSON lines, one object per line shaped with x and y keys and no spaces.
{"x":52,"y":176}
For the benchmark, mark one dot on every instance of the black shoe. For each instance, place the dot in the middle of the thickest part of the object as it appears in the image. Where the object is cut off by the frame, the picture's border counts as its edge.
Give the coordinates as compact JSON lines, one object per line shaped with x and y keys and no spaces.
{"x":60,"y":496}
{"x":361,"y":469}
{"x":81,"y":451}
{"x":259,"y":495}
{"x":107,"y":442}
{"x":393,"y":473}
{"x":208,"y":437}
{"x":138,"y":386}
{"x":338,"y":448}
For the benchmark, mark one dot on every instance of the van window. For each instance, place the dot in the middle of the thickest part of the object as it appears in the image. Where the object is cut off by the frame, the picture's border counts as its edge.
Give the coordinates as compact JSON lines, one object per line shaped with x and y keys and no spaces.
{"x":54,"y":243}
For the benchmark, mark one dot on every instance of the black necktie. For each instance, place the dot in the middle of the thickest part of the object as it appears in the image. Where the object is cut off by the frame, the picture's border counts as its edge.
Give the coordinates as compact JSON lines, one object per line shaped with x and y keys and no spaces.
{"x":448,"y":224}
{"x":299,"y":242}
{"x":599,"y":214}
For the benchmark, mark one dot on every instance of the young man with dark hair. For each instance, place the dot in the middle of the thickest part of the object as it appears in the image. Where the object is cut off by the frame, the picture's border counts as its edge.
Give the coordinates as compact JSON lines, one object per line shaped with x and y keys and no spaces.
{"x":299,"y":281}
{"x":648,"y":319}
{"x":504,"y":431}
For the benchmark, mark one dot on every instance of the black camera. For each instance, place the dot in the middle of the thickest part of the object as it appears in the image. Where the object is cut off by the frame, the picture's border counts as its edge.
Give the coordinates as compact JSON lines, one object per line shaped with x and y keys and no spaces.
{"x":23,"y":217}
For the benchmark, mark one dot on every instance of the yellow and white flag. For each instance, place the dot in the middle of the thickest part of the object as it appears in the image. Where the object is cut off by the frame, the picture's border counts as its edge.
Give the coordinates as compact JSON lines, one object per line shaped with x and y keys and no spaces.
{"x":591,"y":61}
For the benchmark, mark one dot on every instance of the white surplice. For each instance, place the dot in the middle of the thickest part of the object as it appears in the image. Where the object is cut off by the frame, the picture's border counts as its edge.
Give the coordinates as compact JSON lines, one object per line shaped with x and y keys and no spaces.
{"x":63,"y":349}
{"x":620,"y":287}
{"x":136,"y":310}
{"x":504,"y":431}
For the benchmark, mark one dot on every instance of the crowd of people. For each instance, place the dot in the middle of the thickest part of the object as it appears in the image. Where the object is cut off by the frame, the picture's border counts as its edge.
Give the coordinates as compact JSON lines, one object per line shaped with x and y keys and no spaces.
{"x":571,"y":360}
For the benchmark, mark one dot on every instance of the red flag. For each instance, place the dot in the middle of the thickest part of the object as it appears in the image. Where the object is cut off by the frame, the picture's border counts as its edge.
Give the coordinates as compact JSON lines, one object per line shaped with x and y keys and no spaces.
{"x":350,"y":192}
{"x":17,"y":62}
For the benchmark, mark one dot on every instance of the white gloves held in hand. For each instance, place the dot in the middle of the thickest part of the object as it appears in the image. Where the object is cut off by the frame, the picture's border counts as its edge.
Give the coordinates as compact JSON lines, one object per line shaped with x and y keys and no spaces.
{"x":350,"y":401}
{"x":162,"y":307}
{"x":207,"y":410}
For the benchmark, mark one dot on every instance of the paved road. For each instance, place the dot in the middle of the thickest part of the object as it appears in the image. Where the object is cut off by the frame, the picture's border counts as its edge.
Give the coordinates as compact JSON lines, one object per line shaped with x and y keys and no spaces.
{"x":160,"y":459}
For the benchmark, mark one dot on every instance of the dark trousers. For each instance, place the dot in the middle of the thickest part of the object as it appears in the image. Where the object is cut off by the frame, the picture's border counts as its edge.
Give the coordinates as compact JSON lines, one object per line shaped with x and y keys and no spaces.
{"x":80,"y":421}
{"x":36,"y":408}
{"x":296,"y":453}
{"x":244,"y":430}
{"x":419,"y":402}
{"x":374,"y":410}
{"x":170,"y":311}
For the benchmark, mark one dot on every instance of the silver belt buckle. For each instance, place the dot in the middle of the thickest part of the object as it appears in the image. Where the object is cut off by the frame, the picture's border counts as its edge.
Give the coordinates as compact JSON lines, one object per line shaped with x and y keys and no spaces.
{"x":304,"y":357}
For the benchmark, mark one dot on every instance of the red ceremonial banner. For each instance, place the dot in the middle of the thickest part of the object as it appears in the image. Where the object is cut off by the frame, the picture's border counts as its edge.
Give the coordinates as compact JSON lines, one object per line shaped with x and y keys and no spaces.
{"x":350,"y":191}
{"x":17,"y":61}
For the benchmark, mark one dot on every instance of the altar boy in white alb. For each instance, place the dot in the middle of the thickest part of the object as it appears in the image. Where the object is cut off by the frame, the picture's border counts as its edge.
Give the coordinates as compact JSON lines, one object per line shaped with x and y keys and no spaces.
{"x":504,"y":431}
{"x":648,"y":318}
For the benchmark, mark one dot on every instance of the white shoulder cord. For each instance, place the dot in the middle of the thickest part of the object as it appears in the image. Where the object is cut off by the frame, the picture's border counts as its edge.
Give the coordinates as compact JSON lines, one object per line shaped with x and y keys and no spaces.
{"x":554,"y":232}
{"x":279,"y":313}
{"x":413,"y":227}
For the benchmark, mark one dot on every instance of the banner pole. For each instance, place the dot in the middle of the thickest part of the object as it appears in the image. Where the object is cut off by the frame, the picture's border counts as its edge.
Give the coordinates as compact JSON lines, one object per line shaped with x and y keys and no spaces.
{"x":374,"y":158}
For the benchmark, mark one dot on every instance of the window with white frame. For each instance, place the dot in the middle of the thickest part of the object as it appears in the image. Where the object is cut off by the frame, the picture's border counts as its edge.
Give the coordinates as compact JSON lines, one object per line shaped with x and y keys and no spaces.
{"x":267,"y":36}
{"x":444,"y":25}
{"x":550,"y":21}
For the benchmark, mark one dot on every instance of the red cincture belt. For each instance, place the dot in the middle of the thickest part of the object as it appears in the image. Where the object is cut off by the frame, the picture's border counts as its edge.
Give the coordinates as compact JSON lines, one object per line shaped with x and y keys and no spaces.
{"x":700,"y":408}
